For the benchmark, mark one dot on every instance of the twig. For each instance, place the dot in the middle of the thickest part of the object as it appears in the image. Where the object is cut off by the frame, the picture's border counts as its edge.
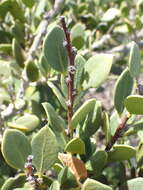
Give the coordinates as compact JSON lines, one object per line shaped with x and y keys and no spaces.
{"x":118,"y":133}
{"x":43,"y":28}
{"x":71,"y":72}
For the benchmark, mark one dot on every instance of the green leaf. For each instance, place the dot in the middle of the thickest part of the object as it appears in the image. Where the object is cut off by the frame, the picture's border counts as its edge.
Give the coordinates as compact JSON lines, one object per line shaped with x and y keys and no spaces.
{"x":17,"y":53}
{"x":15,"y":148}
{"x":44,"y":66}
{"x":91,"y":184}
{"x":55,"y":186}
{"x":134,"y":104}
{"x":59,"y":95}
{"x":14,"y":182}
{"x":121,"y":152}
{"x":17,"y":31}
{"x":133,"y":184}
{"x":92,"y":122}
{"x":134,"y":60}
{"x":80,"y":114}
{"x":106,"y":127}
{"x":97,"y":162}
{"x":79,"y":64}
{"x":54,"y":50}
{"x":110,"y":14}
{"x":25,"y":123}
{"x":75,"y":146}
{"x":114,"y":122}
{"x":4,"y":8}
{"x":96,"y":70}
{"x":123,"y":88}
{"x":32,"y":71}
{"x":28,"y":3}
{"x":77,"y":35}
{"x":16,"y":11}
{"x":44,"y":149}
{"x":56,"y":121}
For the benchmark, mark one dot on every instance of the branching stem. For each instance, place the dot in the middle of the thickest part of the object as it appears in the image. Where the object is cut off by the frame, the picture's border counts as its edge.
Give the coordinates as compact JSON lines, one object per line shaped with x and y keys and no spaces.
{"x":118,"y":133}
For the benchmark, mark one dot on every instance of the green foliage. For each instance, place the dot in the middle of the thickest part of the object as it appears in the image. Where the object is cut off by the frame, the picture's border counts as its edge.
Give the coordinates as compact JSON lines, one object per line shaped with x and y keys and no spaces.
{"x":96,"y":65}
{"x":134,"y":104}
{"x":44,"y":154}
{"x":54,"y":49}
{"x":15,"y":148}
{"x":123,"y":88}
{"x":56,"y":86}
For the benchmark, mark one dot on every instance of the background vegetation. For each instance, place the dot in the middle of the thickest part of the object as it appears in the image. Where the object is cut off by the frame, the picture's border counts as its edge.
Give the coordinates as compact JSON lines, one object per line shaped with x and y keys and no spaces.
{"x":101,"y":32}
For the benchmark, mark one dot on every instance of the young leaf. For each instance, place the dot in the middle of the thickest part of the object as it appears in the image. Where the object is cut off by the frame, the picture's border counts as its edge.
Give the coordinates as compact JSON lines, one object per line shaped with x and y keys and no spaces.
{"x":32,"y":71}
{"x":14,"y":182}
{"x":56,"y":122}
{"x":134,"y":60}
{"x":75,"y":146}
{"x":80,"y":114}
{"x":96,"y":70}
{"x":114,"y":122}
{"x":15,"y":148}
{"x":54,"y":50}
{"x":44,"y":149}
{"x":25,"y":123}
{"x":123,"y":88}
{"x":121,"y":152}
{"x":77,"y":35}
{"x":134,"y":104}
{"x":91,"y":184}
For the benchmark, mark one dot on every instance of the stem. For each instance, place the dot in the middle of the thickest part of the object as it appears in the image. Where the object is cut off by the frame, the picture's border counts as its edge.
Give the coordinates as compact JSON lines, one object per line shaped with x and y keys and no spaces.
{"x":118,"y":133}
{"x":71,"y":72}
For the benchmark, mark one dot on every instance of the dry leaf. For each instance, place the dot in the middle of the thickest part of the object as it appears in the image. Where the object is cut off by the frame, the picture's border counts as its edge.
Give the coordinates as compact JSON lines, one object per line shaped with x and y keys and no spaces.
{"x":76,"y":165}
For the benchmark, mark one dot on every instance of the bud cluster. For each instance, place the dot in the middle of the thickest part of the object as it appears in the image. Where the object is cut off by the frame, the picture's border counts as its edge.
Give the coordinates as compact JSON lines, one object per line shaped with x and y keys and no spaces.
{"x":33,"y":180}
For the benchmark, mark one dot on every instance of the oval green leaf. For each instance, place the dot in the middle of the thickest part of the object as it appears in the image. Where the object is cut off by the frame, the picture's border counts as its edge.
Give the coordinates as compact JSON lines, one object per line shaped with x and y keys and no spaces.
{"x":134,"y":60}
{"x":77,"y":35}
{"x":32,"y":71}
{"x":44,"y":149}
{"x":25,"y":123}
{"x":121,"y":152}
{"x":96,"y":70}
{"x":81,"y":113}
{"x":75,"y":146}
{"x":17,"y":53}
{"x":57,"y":123}
{"x":91,"y":184}
{"x":15,"y":148}
{"x":54,"y":50}
{"x":14,"y":182}
{"x":134,"y":104}
{"x":123,"y":88}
